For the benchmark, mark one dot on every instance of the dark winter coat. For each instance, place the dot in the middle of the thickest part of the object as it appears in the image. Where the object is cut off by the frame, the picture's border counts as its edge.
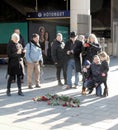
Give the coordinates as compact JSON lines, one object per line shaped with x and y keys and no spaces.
{"x":15,"y":61}
{"x":57,"y":52}
{"x":104,"y":69}
{"x":77,"y":50}
{"x":91,"y":50}
{"x":95,"y":72}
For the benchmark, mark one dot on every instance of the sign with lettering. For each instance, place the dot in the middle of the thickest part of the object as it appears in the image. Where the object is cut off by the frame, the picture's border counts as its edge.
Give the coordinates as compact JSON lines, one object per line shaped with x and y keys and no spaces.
{"x":48,"y":14}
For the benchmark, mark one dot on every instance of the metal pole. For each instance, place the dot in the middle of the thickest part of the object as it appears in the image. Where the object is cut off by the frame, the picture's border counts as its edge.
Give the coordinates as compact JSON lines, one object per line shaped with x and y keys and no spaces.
{"x":36,"y":8}
{"x":67,"y":5}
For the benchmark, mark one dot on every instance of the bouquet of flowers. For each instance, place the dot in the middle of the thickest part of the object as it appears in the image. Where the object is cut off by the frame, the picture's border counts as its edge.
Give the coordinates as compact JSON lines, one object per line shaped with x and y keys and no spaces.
{"x":54,"y":99}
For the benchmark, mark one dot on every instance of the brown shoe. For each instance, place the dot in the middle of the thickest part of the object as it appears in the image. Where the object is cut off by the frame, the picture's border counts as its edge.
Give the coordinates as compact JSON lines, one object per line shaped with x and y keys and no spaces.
{"x":105,"y":92}
{"x":30,"y":87}
{"x":83,"y":91}
{"x":37,"y":86}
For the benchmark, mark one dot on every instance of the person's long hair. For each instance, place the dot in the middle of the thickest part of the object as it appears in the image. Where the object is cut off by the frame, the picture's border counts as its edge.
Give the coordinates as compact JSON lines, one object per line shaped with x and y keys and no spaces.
{"x":93,"y":36}
{"x":104,"y":55}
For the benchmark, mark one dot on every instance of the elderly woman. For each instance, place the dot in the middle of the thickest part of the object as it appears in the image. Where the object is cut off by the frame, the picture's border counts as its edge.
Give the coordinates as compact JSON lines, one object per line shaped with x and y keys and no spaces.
{"x":15,"y":63}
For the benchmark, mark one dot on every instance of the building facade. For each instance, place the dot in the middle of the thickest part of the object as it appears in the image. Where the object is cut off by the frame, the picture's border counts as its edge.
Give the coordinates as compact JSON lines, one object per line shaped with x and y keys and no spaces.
{"x":99,"y":17}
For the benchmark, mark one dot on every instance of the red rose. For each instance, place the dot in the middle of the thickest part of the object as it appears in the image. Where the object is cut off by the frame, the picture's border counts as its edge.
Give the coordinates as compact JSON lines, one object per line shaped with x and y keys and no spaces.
{"x":49,"y":102}
{"x":33,"y":99}
{"x":43,"y":98}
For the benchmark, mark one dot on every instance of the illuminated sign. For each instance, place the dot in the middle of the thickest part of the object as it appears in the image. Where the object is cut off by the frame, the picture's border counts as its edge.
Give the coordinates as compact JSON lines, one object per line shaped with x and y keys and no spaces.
{"x":48,"y":14}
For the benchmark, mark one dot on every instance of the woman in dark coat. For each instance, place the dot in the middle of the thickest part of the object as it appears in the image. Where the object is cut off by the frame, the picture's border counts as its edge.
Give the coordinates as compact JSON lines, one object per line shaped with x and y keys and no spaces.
{"x":91,"y":48}
{"x":15,"y":62}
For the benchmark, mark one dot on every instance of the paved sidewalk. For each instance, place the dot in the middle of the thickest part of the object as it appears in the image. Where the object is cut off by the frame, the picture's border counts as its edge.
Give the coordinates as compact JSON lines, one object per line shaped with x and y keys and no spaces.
{"x":94,"y":113}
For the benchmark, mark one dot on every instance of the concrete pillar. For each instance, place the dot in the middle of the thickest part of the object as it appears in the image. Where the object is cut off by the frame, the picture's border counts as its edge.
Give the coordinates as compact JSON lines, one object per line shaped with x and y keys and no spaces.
{"x":114,"y":27}
{"x":79,"y":8}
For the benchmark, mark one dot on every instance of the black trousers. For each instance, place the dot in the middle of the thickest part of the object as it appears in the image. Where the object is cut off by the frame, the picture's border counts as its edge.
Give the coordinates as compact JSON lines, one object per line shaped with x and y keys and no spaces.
{"x":59,"y":68}
{"x":10,"y":81}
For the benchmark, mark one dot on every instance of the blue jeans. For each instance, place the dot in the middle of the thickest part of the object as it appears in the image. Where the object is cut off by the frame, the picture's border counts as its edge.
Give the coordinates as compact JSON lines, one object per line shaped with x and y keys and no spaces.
{"x":99,"y":91}
{"x":91,"y":85}
{"x":85,"y":84}
{"x":70,"y":68}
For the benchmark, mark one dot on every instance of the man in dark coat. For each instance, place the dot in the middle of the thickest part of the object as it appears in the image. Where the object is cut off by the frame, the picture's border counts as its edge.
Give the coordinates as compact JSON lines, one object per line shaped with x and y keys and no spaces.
{"x":58,"y":56}
{"x":15,"y":63}
{"x":73,"y":48}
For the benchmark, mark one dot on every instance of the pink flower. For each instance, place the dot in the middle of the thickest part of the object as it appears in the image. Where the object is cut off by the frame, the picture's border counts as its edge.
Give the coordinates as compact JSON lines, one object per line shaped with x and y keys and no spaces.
{"x":33,"y":99}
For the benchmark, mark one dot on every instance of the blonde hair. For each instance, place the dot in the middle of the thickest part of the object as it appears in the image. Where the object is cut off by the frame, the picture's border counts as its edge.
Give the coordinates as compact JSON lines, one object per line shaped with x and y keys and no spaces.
{"x":93,"y":36}
{"x":104,"y":55}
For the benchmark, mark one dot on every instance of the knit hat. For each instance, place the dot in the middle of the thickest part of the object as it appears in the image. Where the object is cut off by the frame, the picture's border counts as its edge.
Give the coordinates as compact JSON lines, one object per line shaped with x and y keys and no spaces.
{"x":87,"y":62}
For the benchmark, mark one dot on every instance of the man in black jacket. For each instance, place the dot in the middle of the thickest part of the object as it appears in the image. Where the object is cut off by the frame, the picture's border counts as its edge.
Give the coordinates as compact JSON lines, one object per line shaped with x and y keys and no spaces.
{"x":73,"y":48}
{"x":58,"y":56}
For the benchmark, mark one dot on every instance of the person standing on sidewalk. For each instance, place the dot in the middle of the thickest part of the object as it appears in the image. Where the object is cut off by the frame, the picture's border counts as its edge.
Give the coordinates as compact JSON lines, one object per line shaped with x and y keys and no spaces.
{"x":15,"y":63}
{"x":104,"y":57}
{"x":73,"y":49}
{"x":34,"y":59}
{"x":22,"y":42}
{"x":58,"y":56}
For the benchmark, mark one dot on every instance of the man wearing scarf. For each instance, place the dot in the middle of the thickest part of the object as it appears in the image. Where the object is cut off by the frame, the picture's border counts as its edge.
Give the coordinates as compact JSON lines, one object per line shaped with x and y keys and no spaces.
{"x":33,"y":58}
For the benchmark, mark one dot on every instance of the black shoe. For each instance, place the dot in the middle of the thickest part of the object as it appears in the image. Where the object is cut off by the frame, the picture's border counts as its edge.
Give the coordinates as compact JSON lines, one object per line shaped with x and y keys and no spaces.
{"x":8,"y":93}
{"x":20,"y":93}
{"x":90,"y":91}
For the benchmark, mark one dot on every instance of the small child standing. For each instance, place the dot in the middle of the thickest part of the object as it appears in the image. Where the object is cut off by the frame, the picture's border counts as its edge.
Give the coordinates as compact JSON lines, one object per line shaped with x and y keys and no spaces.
{"x":104,"y":70}
{"x":85,"y":76}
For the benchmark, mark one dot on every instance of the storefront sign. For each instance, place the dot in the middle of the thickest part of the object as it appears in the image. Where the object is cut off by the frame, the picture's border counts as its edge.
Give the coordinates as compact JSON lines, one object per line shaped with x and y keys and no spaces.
{"x":48,"y":14}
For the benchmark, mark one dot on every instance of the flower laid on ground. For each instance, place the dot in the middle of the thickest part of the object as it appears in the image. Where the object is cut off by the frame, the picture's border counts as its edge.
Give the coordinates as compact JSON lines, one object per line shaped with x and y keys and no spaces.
{"x":54,"y":99}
